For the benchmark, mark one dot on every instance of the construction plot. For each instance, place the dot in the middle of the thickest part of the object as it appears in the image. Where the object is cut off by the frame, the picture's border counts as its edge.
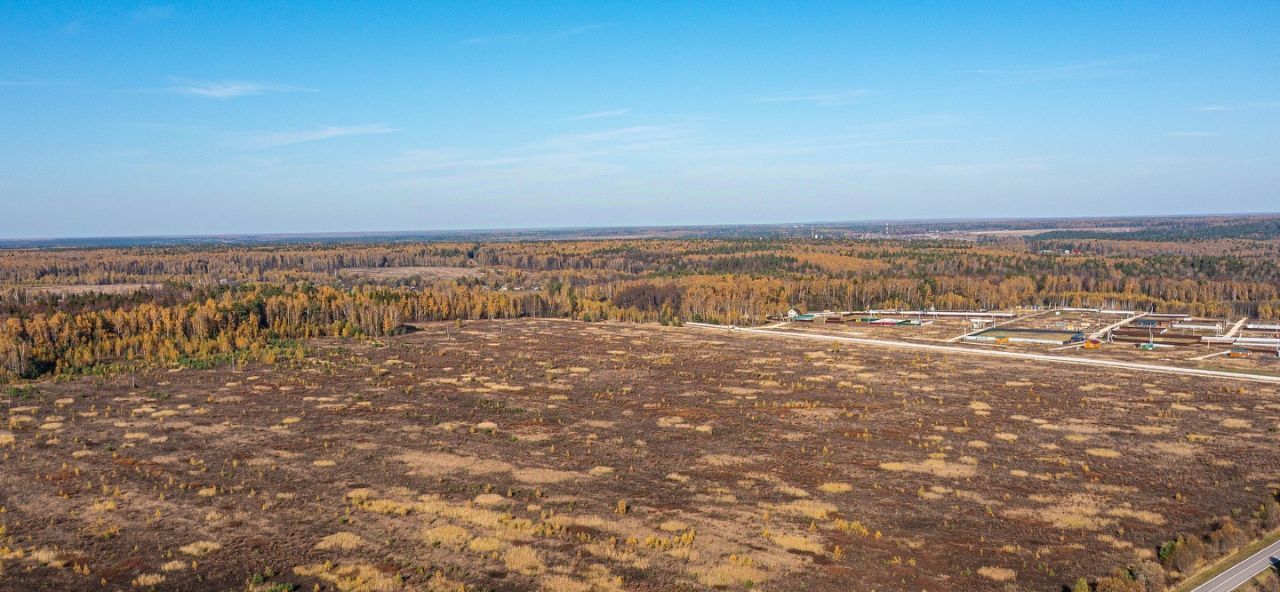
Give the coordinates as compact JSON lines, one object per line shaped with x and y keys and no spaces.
{"x":899,"y":324}
{"x":1046,"y":328}
{"x":1169,"y":330}
{"x":1015,"y":335}
{"x":1073,"y":320}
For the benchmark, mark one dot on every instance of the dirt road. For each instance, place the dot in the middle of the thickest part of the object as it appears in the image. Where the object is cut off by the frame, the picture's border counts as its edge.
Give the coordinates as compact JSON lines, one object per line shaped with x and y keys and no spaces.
{"x":996,"y":353}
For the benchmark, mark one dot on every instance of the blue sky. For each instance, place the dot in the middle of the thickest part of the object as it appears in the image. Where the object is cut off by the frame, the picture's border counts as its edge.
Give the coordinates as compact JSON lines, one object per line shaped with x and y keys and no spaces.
{"x":128,"y":119}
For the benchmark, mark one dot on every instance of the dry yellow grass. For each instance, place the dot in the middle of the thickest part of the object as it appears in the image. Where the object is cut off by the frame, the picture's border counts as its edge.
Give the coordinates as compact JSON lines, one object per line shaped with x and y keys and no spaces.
{"x":999,"y":574}
{"x":794,"y":542}
{"x":932,"y":466}
{"x":524,"y":560}
{"x":724,"y":460}
{"x":200,"y":548}
{"x":791,"y":491}
{"x":447,"y":535}
{"x":471,"y":503}
{"x":489,"y":500}
{"x":344,"y":541}
{"x":148,"y":580}
{"x":484,"y":544}
{"x":1102,"y":452}
{"x":835,"y":487}
{"x":1075,"y":512}
{"x":673,"y":525}
{"x":807,"y":508}
{"x":356,"y":577}
{"x":544,"y":476}
{"x":1140,"y":515}
{"x":731,"y":573}
{"x":48,"y":557}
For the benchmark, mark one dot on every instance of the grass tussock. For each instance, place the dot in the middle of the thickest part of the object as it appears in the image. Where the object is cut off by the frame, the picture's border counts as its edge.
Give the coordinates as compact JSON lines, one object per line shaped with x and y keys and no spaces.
{"x":835,"y":487}
{"x":342,"y":541}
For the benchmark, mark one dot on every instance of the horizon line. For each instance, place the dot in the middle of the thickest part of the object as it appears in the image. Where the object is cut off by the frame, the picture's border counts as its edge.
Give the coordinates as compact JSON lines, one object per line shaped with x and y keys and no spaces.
{"x":499,"y":229}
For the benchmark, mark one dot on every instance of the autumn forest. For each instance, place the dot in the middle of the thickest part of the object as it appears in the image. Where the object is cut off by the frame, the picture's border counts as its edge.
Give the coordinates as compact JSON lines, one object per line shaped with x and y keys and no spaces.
{"x":199,"y":305}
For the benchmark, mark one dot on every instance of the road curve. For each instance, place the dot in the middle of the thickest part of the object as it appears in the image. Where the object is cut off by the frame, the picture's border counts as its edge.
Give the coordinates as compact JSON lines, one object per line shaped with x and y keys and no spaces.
{"x":996,"y":353}
{"x":1242,"y":572}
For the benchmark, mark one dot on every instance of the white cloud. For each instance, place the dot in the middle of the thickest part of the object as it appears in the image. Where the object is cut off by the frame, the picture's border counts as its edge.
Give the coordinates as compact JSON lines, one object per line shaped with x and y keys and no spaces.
{"x":599,"y":115}
{"x":230,"y":88}
{"x":577,"y":150}
{"x":1095,"y":69}
{"x":626,"y":138}
{"x":826,"y":98}
{"x":286,"y":138}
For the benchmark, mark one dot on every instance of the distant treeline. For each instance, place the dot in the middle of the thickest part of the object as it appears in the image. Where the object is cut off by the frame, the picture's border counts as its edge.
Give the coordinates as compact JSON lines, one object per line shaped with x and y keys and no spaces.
{"x":1248,"y":229}
{"x":213,"y":302}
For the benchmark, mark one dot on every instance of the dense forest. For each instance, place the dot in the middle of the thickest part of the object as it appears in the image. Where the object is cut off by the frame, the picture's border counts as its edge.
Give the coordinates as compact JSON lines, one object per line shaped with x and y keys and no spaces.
{"x":194,"y":304}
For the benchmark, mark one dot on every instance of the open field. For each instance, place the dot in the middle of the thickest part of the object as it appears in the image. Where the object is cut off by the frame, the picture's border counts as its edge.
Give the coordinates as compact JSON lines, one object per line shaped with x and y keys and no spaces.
{"x":933,"y":329}
{"x":940,"y":329}
{"x":78,"y":289}
{"x":523,"y":455}
{"x":396,"y":273}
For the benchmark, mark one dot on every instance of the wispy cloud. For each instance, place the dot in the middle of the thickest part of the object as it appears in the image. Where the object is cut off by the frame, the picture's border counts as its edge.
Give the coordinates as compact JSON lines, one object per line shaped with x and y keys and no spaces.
{"x":1192,"y":134}
{"x":599,"y":115}
{"x":150,"y":14}
{"x":580,"y":150}
{"x":286,"y":138}
{"x":1239,"y":106}
{"x":637,"y":137}
{"x":21,"y":83}
{"x":531,"y":38}
{"x":826,"y":98}
{"x":228,"y":89}
{"x":1094,"y":69}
